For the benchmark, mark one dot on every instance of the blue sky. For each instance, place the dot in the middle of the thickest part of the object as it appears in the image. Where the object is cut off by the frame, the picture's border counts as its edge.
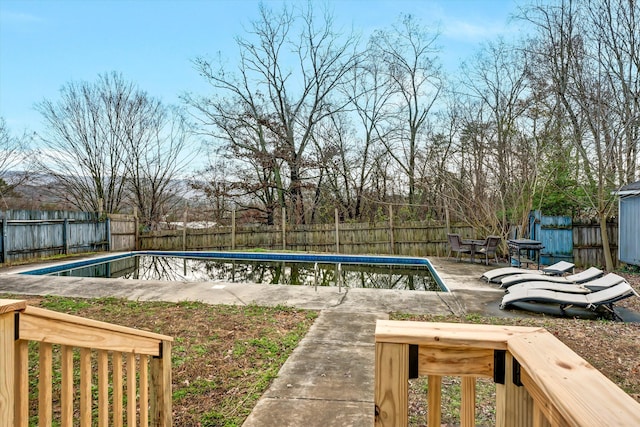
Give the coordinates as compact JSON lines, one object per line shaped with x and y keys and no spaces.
{"x":45,"y":44}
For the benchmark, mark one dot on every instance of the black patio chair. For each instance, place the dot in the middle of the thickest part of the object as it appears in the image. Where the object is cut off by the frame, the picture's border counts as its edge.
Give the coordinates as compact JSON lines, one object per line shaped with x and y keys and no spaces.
{"x":489,"y":248}
{"x":457,"y":246}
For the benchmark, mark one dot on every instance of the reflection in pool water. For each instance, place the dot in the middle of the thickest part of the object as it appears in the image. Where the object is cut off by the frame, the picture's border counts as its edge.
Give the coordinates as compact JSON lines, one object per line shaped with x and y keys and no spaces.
{"x":179,"y":269}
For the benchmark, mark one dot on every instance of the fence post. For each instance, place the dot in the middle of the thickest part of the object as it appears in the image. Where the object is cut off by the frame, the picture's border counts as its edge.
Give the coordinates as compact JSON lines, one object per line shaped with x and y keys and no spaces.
{"x":284,"y":229}
{"x":136,"y":238}
{"x":108,"y":226}
{"x":65,"y":236}
{"x":337,"y":232}
{"x":233,"y":228}
{"x":391,"y":237}
{"x":3,"y":240}
{"x":184,"y":231}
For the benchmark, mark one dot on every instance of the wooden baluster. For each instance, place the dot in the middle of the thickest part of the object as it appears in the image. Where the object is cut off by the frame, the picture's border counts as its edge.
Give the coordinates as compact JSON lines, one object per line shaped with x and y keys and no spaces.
{"x":131,"y":390}
{"x":434,"y":402}
{"x":103,"y":388}
{"x":45,"y":376}
{"x":85,"y":387}
{"x":66,"y":392}
{"x":468,"y":405}
{"x":539,"y":420}
{"x":144,"y":390}
{"x":116,"y":362}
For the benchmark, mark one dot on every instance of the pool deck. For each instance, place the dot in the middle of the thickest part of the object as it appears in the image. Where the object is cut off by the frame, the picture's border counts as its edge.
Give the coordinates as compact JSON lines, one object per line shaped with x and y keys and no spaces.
{"x":328,"y":380}
{"x":468,"y":292}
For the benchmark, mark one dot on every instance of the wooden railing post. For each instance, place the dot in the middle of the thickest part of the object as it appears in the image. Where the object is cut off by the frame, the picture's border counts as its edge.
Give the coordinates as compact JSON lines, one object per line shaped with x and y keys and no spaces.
{"x":7,"y":328}
{"x":392,"y":384}
{"x":514,"y":406}
{"x":160,"y":388}
{"x":8,"y":360}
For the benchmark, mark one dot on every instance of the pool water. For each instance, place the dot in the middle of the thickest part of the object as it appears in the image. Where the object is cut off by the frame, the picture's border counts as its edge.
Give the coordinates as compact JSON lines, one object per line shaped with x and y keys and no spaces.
{"x":351,"y":272}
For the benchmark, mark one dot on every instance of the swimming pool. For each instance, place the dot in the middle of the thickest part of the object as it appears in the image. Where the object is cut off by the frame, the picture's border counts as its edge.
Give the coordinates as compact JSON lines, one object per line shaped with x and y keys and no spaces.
{"x":408,"y":273}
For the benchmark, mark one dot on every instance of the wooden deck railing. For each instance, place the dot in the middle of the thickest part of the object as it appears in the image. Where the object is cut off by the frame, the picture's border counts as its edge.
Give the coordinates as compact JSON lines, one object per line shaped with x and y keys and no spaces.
{"x":75,"y":355}
{"x":539,"y":380}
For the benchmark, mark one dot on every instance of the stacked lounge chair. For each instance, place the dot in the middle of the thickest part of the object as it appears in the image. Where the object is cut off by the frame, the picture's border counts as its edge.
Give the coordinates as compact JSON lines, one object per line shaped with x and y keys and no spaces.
{"x":556,"y":269}
{"x":595,"y":301}
{"x":598,"y":284}
{"x":584,"y":276}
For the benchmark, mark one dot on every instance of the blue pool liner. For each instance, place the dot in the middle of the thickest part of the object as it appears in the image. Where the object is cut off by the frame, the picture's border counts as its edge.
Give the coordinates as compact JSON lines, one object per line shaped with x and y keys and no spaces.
{"x":253,"y":256}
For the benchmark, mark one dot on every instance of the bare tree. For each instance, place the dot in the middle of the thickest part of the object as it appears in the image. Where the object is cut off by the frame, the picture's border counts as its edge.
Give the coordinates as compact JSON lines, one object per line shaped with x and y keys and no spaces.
{"x":158,"y":152}
{"x":617,"y":24}
{"x":108,"y":143}
{"x":13,"y":155}
{"x":408,"y":52}
{"x":238,"y":121}
{"x":498,"y":161}
{"x":280,"y":103}
{"x":84,"y":140}
{"x":370,"y":92}
{"x":214,"y":183}
{"x":592,"y":78}
{"x":433,"y":173}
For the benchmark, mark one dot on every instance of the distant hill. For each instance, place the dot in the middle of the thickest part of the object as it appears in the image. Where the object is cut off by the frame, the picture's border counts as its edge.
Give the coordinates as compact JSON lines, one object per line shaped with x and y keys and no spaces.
{"x":38,"y":192}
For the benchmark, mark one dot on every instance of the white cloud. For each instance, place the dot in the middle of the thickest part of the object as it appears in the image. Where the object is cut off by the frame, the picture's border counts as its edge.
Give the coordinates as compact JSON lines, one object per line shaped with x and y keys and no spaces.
{"x":468,"y":31}
{"x":18,"y":18}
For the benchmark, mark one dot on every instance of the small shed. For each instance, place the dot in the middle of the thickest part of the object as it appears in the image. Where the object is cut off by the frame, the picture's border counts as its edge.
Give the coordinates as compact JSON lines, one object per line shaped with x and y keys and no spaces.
{"x":629,"y":223}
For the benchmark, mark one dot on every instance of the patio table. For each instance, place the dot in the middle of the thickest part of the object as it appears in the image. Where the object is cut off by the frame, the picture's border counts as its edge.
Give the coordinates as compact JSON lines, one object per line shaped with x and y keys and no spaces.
{"x":517,"y":245}
{"x":473,"y":245}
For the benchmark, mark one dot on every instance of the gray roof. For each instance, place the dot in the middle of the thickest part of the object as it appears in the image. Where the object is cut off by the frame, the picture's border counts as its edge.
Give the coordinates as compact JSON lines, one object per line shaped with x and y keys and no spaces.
{"x":629,"y":189}
{"x":632,"y":186}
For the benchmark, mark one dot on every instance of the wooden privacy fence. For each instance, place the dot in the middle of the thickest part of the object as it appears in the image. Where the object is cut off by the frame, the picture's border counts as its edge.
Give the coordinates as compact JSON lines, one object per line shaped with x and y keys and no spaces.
{"x":33,"y":234}
{"x":539,"y":380}
{"x":407,"y":239}
{"x":123,"y":232}
{"x":81,"y":377}
{"x":587,"y":244}
{"x":410,"y":238}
